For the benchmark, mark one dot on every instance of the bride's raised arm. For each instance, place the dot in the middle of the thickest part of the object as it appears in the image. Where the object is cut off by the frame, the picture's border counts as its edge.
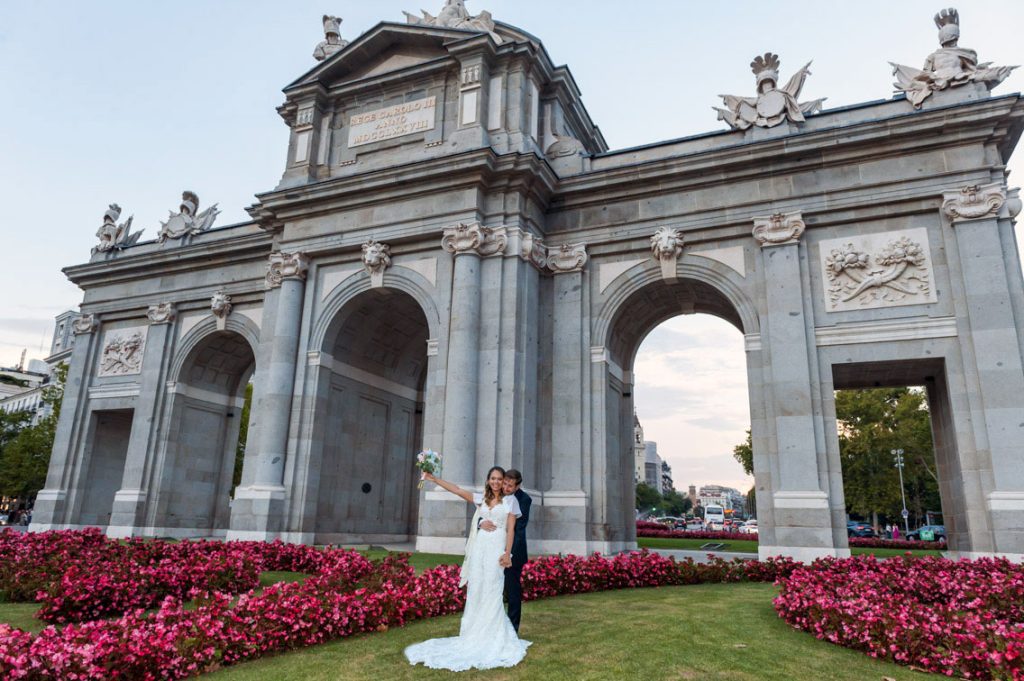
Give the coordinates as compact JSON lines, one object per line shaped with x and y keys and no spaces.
{"x":454,"y":489}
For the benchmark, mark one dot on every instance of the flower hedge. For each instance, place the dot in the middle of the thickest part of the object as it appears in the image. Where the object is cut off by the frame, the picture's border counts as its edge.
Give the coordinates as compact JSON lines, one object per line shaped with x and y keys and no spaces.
{"x":962,"y":619}
{"x":345,"y":594}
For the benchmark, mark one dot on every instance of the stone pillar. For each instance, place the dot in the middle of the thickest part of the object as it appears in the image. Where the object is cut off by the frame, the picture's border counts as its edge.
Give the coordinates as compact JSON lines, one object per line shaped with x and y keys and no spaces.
{"x":803,"y":526}
{"x":442,"y":516}
{"x":565,"y":501}
{"x":998,"y":362}
{"x":50,"y":511}
{"x":127,"y":516}
{"x":258,"y":507}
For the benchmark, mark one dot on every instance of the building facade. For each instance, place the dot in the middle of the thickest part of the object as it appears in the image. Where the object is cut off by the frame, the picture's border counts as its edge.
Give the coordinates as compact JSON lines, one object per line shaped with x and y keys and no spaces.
{"x":453,"y":259}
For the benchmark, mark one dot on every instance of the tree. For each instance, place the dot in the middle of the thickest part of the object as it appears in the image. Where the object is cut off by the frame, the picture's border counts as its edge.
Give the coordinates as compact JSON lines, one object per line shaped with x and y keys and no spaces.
{"x":744,"y":453}
{"x":871,"y":424}
{"x":24,"y":460}
{"x":243,"y":436}
{"x":647,"y":498}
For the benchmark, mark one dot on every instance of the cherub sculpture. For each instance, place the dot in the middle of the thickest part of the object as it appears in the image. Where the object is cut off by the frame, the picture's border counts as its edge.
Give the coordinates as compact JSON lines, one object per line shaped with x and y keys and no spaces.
{"x":332,"y":41}
{"x":949,"y":66}
{"x":772,"y":105}
{"x":113,"y":236}
{"x":455,"y":15}
{"x":187,"y":221}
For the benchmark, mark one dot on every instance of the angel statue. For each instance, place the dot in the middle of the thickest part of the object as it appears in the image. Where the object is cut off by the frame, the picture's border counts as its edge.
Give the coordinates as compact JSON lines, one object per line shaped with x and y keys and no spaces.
{"x":949,"y":66}
{"x":332,"y":41}
{"x":113,"y":236}
{"x":186,"y":221}
{"x":455,"y":15}
{"x":772,"y":105}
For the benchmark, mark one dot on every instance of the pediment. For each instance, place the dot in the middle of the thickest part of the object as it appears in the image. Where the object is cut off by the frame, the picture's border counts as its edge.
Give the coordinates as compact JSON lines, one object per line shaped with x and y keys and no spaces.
{"x":385,"y":48}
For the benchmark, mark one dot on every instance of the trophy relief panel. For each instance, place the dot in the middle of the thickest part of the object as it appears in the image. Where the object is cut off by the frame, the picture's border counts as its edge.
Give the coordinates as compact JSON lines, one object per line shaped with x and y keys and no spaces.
{"x":122,"y":352}
{"x":877,"y":270}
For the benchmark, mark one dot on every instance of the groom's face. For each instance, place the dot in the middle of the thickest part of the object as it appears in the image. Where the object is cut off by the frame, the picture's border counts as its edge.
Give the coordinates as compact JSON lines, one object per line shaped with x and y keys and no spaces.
{"x":510,"y":486}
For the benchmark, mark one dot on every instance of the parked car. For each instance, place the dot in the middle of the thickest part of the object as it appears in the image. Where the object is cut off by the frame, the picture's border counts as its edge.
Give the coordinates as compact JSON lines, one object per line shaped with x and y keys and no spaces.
{"x":855,"y":528}
{"x":671,"y":521}
{"x":749,"y":527}
{"x":936,"y":532}
{"x":695,"y":525}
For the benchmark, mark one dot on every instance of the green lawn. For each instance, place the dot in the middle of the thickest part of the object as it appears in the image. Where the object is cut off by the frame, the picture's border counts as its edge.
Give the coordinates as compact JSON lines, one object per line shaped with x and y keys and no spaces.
{"x":751,"y":547}
{"x":714,"y":632}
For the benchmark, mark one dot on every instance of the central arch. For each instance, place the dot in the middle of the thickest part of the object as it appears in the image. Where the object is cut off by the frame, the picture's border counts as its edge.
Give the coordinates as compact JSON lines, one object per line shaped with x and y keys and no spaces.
{"x":636,"y":303}
{"x":371,"y":379}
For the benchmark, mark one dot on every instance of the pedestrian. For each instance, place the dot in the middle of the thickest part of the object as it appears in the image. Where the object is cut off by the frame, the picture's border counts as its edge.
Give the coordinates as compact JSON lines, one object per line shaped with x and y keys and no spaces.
{"x":895,"y":532}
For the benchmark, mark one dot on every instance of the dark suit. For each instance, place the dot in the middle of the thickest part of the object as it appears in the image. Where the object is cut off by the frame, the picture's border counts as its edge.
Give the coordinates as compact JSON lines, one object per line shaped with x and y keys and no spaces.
{"x":514,"y":574}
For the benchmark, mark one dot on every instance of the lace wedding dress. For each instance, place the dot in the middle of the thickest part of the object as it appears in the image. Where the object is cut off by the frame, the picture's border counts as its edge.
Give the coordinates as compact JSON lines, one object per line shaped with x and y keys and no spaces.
{"x":486,"y":638}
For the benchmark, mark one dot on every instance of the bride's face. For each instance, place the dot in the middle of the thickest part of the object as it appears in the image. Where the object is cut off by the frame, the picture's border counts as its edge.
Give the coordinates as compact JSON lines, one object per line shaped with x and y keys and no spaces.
{"x":496,"y":481}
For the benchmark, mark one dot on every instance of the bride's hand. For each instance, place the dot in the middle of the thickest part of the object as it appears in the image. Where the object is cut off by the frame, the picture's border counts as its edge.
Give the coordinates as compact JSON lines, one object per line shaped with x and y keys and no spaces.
{"x":429,"y":477}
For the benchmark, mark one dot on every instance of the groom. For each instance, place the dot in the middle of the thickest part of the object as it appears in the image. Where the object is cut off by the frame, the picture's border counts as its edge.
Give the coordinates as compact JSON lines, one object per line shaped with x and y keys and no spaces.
{"x":514,"y":572}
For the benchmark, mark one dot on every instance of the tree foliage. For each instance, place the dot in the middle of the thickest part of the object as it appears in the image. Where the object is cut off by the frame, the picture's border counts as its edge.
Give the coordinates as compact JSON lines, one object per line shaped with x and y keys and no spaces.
{"x":872,"y":423}
{"x":651,"y":500}
{"x":744,"y":453}
{"x":25,"y":457}
{"x":243,"y":437}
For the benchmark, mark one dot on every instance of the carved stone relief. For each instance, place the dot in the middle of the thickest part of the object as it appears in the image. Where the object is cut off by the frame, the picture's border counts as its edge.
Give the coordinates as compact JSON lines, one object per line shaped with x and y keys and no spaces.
{"x":779,"y":229}
{"x":567,"y":258}
{"x":220,"y":305}
{"x":113,"y":236}
{"x":974,"y":202}
{"x":772,"y":105}
{"x":455,"y":15}
{"x":877,"y":270}
{"x":163,"y":313}
{"x":83,"y":324}
{"x":186,"y":221}
{"x":376,"y":259}
{"x":474,"y":238}
{"x":532,"y":250}
{"x":666,"y":247}
{"x":122,"y":352}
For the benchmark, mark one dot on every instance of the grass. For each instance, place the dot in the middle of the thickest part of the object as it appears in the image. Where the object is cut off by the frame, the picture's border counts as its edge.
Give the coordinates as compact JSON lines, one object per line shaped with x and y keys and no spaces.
{"x":714,"y":632}
{"x":751,"y":547}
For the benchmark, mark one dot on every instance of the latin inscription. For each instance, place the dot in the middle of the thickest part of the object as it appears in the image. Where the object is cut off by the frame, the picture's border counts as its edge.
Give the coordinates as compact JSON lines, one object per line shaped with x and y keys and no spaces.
{"x":394,"y":121}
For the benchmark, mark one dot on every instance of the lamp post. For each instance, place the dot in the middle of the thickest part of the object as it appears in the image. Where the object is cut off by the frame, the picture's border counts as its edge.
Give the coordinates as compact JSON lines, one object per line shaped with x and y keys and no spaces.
{"x":897,"y":455}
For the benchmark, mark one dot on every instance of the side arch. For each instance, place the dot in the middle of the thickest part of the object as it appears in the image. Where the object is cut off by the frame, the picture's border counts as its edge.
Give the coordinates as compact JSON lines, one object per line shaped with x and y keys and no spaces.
{"x":195,"y":336}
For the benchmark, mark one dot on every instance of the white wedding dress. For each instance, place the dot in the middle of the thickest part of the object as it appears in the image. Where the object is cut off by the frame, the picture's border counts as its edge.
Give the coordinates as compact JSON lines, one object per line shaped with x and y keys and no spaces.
{"x":486,"y":638}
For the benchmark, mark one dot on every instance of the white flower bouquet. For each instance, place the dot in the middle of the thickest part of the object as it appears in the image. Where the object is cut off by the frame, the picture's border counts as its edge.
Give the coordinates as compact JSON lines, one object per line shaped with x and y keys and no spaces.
{"x":428,"y":461}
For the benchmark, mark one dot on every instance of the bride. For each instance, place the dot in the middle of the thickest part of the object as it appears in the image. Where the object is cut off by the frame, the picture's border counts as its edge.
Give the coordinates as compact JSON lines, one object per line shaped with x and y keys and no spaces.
{"x":486,"y":638}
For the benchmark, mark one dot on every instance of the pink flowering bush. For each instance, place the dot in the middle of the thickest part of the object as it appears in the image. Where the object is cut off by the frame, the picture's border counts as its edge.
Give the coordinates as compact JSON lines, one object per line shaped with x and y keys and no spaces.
{"x":345,"y":594}
{"x":904,"y":544}
{"x":962,"y":619}
{"x":657,"y":530}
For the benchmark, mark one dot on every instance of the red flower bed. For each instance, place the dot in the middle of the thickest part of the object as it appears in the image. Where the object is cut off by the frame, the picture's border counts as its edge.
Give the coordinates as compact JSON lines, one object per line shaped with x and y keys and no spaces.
{"x":961,"y":619}
{"x":904,"y":544}
{"x":346,"y":594}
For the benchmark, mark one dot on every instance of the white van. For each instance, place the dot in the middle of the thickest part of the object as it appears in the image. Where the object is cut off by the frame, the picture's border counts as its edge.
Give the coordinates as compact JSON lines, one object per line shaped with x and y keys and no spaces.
{"x":714,"y":518}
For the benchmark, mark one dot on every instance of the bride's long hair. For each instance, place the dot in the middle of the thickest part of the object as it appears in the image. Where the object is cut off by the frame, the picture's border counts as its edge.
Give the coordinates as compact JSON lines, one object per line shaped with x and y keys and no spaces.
{"x":489,"y":495}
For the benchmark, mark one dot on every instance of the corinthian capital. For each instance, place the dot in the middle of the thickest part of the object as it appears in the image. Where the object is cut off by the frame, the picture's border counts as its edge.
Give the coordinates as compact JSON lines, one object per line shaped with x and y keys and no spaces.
{"x":474,"y":238}
{"x":974,"y":202}
{"x":567,"y":258}
{"x":286,"y":266}
{"x":779,"y":229}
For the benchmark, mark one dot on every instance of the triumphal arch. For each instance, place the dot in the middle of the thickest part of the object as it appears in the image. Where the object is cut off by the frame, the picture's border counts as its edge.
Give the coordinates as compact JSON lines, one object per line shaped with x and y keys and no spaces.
{"x":454,"y":259}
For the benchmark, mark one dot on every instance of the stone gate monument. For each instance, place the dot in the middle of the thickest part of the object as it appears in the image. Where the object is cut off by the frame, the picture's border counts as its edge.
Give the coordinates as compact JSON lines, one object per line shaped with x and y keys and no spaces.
{"x":453,"y":259}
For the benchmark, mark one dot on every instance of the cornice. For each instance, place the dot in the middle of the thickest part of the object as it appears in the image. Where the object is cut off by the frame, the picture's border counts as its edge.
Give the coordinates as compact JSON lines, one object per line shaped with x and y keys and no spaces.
{"x":481,"y":168}
{"x":996,"y":120}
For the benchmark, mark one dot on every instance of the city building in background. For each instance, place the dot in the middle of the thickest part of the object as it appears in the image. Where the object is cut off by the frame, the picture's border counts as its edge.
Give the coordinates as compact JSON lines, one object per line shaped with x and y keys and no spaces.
{"x":727,"y":497}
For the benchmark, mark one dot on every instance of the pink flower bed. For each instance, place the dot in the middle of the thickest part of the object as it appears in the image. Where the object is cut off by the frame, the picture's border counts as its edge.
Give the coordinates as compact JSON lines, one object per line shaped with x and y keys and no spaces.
{"x":904,"y":544}
{"x":962,"y":619}
{"x":657,"y":530}
{"x":346,"y":594}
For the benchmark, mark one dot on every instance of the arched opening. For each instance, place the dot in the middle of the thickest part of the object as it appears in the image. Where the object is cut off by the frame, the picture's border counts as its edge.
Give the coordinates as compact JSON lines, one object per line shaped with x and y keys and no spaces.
{"x":203,"y":437}
{"x":373,"y":372}
{"x":673,"y":348}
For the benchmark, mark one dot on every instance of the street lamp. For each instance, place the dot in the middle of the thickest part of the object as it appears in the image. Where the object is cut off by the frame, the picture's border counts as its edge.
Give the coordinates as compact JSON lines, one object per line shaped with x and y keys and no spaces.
{"x":897,"y":456}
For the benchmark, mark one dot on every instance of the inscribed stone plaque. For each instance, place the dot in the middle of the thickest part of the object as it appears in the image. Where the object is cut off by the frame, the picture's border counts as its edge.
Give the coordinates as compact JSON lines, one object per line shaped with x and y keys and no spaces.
{"x":394,"y":121}
{"x":877,"y":270}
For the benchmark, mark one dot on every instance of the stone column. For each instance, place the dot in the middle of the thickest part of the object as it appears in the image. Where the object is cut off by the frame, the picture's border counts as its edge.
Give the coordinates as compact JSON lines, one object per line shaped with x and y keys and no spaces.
{"x":565,"y":502}
{"x":128,"y":512}
{"x":50,"y":511}
{"x":259,"y":502}
{"x":803,"y":527}
{"x":442,"y":517}
{"x":998,"y":368}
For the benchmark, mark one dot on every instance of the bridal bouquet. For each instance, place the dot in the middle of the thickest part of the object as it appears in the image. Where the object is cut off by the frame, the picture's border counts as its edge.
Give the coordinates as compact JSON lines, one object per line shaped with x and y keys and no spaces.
{"x":428,"y":461}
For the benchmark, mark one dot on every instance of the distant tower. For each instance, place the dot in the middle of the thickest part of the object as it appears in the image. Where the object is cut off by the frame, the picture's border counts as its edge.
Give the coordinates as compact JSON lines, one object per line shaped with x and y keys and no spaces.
{"x":21,"y":364}
{"x":692,"y":494}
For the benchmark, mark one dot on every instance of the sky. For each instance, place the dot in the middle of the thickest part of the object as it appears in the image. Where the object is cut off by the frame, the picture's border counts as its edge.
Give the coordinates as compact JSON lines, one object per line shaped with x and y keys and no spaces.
{"x":134,"y":102}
